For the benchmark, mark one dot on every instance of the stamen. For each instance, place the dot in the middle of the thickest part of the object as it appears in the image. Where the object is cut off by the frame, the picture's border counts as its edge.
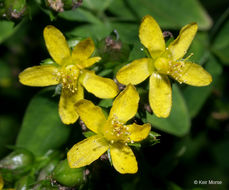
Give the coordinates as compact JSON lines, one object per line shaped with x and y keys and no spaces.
{"x":191,"y":54}
{"x":119,"y":131}
{"x":68,"y":76}
{"x":176,"y":70}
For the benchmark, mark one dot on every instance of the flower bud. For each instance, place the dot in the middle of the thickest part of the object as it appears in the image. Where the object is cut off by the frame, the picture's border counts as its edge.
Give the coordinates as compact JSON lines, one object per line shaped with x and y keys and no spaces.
{"x":61,"y":5}
{"x":46,"y":171}
{"x":19,"y":159}
{"x":68,"y":176}
{"x":14,"y":9}
{"x":71,"y":4}
{"x":56,"y":5}
{"x":111,"y":49}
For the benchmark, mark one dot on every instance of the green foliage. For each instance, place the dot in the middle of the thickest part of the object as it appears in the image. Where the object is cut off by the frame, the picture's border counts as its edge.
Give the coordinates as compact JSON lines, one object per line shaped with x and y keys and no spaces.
{"x":96,"y":31}
{"x":167,"y":15}
{"x":48,"y":132}
{"x":178,"y":123}
{"x":25,"y":182}
{"x":124,"y":12}
{"x":221,"y":43}
{"x":79,"y":15}
{"x":68,"y":176}
{"x":19,"y":159}
{"x":99,"y":5}
{"x":8,"y":132}
{"x":193,"y":141}
{"x":6,"y":29}
{"x":196,"y":97}
{"x":106,"y":103}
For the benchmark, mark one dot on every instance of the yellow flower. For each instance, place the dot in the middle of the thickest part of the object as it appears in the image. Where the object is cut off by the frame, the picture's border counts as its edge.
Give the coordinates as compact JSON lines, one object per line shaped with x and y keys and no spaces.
{"x":111,"y":133}
{"x":1,"y":182}
{"x":164,"y":61}
{"x":70,"y":72}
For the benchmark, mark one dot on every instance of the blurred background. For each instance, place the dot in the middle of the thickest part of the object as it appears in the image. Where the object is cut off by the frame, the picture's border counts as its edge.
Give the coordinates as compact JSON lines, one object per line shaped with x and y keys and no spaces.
{"x":194,"y":140}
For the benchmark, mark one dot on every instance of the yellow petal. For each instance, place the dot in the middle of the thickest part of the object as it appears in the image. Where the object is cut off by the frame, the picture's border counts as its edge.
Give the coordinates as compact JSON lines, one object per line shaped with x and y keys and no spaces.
{"x":87,"y":63}
{"x":138,"y":132}
{"x":151,"y":36}
{"x":135,"y":72}
{"x":180,"y":45}
{"x":160,"y":95}
{"x":83,"y":49}
{"x":68,"y":99}
{"x":91,"y":115}
{"x":99,"y":86}
{"x":87,"y":151}
{"x":125,"y":105}
{"x":56,"y":43}
{"x":193,"y":74}
{"x":123,"y":159}
{"x":44,"y":75}
{"x":1,"y":182}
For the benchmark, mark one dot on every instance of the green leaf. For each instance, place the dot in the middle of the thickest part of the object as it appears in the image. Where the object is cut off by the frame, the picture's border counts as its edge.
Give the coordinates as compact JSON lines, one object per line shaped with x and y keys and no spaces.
{"x":6,"y":29}
{"x":173,"y":186}
{"x":221,"y":44}
{"x":50,"y":13}
{"x":137,"y":52}
{"x":172,"y":14}
{"x":221,"y":153}
{"x":100,"y":31}
{"x":214,"y":67}
{"x":123,"y":13}
{"x":79,"y":14}
{"x":96,"y":31}
{"x":178,"y":123}
{"x":196,"y":96}
{"x":105,"y":72}
{"x":112,"y":50}
{"x":199,"y":48}
{"x":128,"y":32}
{"x":48,"y":61}
{"x":68,"y":176}
{"x":152,"y":139}
{"x":5,"y":74}
{"x":25,"y":182}
{"x":8,"y":131}
{"x":106,"y":103}
{"x":88,"y":134}
{"x":42,"y":128}
{"x":98,"y":5}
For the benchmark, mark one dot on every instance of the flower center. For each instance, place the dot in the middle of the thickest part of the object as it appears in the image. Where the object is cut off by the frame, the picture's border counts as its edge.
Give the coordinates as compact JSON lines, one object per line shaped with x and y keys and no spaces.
{"x":168,"y":67}
{"x":68,"y":77}
{"x":165,"y":65}
{"x":162,"y":65}
{"x":116,"y":131}
{"x":176,"y":70}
